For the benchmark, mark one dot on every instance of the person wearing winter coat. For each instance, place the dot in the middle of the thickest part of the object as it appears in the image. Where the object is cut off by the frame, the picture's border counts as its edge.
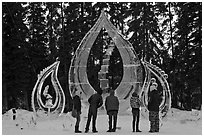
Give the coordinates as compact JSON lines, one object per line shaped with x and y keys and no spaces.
{"x":135,"y":104}
{"x":112,"y":107}
{"x":77,"y":107}
{"x":95,"y":102}
{"x":153,"y":107}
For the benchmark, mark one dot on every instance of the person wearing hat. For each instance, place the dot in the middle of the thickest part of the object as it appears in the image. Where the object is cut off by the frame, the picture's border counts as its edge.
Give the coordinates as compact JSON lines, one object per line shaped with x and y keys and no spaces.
{"x":153,"y":107}
{"x":112,"y":107}
{"x":135,"y":104}
{"x":153,"y":80}
{"x":77,"y":107}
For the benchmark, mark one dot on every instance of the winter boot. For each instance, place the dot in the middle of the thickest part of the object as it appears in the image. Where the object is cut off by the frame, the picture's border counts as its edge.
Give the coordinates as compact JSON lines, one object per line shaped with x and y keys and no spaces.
{"x":77,"y":129}
{"x":137,"y":130}
{"x":94,"y":131}
{"x":87,"y":129}
{"x":109,"y":130}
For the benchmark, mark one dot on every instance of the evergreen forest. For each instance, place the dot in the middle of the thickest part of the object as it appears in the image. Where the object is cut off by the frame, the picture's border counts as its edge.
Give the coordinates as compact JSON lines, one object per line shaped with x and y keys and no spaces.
{"x":36,"y":34}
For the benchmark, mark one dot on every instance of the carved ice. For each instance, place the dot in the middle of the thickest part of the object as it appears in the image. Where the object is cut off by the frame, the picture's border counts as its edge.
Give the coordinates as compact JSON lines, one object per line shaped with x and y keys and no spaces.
{"x":136,"y":77}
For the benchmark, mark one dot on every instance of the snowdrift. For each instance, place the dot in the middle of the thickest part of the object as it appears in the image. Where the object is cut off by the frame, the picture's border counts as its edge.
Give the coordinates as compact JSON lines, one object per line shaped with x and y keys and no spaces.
{"x":178,"y":122}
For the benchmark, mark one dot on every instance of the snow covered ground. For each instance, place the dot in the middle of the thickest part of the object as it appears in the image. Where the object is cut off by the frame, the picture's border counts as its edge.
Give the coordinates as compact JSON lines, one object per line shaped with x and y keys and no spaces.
{"x":178,"y":123}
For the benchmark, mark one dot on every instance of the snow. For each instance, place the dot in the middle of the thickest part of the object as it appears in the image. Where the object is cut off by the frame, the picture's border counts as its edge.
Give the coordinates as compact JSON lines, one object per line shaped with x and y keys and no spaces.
{"x":177,"y":123}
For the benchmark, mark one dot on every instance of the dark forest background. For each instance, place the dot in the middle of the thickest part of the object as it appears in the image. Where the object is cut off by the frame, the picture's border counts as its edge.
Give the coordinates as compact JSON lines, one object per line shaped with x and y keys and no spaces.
{"x":34,"y":35}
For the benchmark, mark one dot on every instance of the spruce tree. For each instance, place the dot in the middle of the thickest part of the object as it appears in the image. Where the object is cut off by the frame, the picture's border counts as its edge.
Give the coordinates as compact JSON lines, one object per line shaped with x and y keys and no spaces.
{"x":16,"y":65}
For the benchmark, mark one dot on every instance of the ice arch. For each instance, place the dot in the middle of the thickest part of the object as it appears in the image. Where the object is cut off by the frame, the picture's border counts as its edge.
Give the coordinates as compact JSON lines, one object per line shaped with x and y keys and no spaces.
{"x":131,"y":64}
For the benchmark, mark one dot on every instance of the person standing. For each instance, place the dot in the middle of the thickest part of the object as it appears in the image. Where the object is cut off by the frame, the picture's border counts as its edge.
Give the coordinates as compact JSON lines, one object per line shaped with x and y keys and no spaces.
{"x":112,"y":107}
{"x":77,"y":107}
{"x":153,"y":107}
{"x":135,"y":104}
{"x":95,"y":102}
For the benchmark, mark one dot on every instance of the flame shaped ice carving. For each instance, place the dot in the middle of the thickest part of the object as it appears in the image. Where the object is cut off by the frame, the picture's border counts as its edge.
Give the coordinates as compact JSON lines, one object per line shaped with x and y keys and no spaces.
{"x":59,"y":103}
{"x":133,"y":69}
{"x":131,"y":63}
{"x":151,"y":69}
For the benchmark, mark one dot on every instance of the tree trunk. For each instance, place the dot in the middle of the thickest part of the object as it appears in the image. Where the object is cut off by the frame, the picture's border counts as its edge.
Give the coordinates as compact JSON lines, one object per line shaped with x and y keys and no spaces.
{"x":144,"y":50}
{"x":171,"y":44}
{"x":4,"y":97}
{"x":146,"y":34}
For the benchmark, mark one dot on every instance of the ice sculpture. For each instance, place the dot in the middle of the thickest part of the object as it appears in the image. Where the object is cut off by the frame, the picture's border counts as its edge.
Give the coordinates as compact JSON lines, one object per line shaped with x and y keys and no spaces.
{"x":136,"y":77}
{"x":131,"y":63}
{"x":48,"y":105}
{"x":133,"y":69}
{"x":154,"y":71}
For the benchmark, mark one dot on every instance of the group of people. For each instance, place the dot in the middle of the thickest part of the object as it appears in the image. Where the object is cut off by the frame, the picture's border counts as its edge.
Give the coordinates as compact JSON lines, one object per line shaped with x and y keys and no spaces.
{"x":112,"y":108}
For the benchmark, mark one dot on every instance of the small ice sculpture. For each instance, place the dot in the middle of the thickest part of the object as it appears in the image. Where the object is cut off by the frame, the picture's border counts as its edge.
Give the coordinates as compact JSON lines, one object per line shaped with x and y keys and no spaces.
{"x":48,"y":102}
{"x":52,"y":105}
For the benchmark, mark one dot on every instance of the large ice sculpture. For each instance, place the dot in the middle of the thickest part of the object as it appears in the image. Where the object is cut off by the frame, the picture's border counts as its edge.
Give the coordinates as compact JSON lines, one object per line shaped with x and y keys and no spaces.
{"x":136,"y":74}
{"x":131,"y":63}
{"x":133,"y":69}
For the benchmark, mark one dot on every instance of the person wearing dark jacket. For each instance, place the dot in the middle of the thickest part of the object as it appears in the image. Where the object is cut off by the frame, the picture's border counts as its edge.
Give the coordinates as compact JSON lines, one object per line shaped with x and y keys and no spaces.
{"x":135,"y":104}
{"x":95,"y":102}
{"x":112,"y":107}
{"x":153,"y":107}
{"x":77,"y":107}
